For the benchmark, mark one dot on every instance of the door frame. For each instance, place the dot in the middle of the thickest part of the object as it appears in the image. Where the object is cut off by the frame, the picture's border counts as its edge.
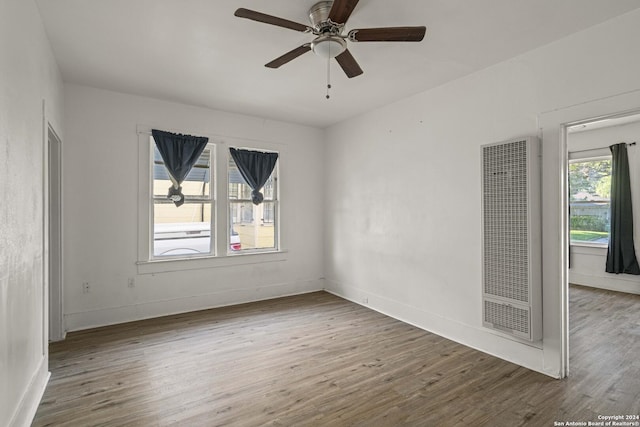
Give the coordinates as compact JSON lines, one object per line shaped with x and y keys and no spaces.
{"x":53,"y":234}
{"x":553,"y":125}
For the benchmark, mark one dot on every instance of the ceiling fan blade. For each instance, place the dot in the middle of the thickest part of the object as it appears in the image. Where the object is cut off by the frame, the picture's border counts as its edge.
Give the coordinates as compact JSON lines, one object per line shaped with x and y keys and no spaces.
{"x":349,"y":64}
{"x":341,"y":10}
{"x":268,"y":19}
{"x":289,"y":56}
{"x":388,"y":34}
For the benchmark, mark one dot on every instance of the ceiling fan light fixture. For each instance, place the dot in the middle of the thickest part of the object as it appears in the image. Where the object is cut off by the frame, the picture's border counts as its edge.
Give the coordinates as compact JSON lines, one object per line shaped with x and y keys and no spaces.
{"x":328,"y":46}
{"x":328,"y":19}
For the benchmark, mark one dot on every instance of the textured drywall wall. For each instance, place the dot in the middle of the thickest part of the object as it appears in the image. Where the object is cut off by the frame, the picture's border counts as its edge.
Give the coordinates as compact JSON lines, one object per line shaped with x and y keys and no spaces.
{"x":101,"y":203}
{"x":403,"y":196}
{"x":28,"y":76}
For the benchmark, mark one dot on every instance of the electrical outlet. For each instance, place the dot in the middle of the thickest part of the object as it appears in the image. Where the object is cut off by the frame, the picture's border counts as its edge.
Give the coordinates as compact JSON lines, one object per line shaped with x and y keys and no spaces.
{"x":85,"y":287}
{"x":365,"y":300}
{"x":132,"y":282}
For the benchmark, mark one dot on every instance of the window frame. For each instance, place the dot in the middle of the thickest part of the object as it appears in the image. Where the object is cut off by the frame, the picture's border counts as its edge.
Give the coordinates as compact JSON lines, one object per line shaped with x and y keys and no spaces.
{"x":596,"y":155}
{"x":220,"y":256}
{"x":275,"y":201}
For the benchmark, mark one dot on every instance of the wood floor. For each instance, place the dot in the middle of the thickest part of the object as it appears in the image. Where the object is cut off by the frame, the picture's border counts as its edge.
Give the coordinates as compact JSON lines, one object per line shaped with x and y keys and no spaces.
{"x":319,"y":360}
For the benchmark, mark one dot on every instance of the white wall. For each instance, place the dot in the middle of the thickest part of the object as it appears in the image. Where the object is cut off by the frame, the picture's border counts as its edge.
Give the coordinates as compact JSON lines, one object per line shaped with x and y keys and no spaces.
{"x":588,"y":263}
{"x":101,"y":211}
{"x":402,"y":187}
{"x":28,"y":75}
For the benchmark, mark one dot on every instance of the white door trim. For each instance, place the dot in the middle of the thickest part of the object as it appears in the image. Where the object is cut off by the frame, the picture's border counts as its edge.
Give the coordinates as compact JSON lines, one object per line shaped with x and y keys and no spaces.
{"x":54,"y":234}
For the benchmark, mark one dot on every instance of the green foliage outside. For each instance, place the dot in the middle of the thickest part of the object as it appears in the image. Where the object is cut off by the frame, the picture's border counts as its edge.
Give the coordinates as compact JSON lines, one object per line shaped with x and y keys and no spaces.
{"x":589,"y":183}
{"x":591,"y":177}
{"x":586,"y":236}
{"x":603,"y":187}
{"x":588,"y":223}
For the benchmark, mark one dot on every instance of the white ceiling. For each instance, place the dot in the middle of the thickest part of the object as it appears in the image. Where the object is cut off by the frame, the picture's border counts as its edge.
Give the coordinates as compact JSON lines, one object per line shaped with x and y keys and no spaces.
{"x":196,"y":52}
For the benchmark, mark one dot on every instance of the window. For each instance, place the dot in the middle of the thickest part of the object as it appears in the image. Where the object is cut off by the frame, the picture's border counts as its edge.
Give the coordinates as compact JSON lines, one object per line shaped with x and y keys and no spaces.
{"x":253,"y":228}
{"x":589,"y":200}
{"x":185,"y":230}
{"x":212,"y":228}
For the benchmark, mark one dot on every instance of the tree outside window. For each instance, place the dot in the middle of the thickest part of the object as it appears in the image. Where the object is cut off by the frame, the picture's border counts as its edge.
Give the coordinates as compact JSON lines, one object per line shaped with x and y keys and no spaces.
{"x":589,"y":200}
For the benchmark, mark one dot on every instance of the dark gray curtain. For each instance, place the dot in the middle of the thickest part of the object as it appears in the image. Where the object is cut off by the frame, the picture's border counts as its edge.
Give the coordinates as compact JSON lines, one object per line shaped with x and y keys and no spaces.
{"x":621,"y":255}
{"x":256,"y":168}
{"x":179,"y":153}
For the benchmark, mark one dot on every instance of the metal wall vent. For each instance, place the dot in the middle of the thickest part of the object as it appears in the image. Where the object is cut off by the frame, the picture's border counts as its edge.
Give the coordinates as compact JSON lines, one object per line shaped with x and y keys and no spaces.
{"x":508,"y":318}
{"x":511,"y":238}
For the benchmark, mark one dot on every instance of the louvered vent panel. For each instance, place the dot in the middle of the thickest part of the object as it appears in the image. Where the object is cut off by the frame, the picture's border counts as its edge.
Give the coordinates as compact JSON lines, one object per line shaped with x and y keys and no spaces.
{"x":510,"y":221}
{"x":505,"y":221}
{"x":507,"y":317}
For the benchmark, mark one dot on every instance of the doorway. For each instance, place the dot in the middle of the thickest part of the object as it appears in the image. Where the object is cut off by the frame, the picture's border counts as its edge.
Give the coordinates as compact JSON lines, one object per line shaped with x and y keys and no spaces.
{"x":54,"y":189}
{"x":594,"y":296}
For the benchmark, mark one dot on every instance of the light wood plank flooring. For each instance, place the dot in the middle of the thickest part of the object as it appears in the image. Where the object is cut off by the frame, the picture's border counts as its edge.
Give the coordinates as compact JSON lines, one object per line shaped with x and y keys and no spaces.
{"x":316,"y":359}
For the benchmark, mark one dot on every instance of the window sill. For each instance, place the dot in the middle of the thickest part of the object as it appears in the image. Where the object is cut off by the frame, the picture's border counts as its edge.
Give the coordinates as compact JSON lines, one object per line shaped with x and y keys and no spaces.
{"x":590,"y":245}
{"x":169,"y":265}
{"x":589,"y":248}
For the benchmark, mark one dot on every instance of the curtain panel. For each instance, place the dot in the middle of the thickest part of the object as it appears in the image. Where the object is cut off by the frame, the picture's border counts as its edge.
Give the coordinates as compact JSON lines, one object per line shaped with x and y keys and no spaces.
{"x":256,"y":168}
{"x":621,"y":255}
{"x":179,"y":153}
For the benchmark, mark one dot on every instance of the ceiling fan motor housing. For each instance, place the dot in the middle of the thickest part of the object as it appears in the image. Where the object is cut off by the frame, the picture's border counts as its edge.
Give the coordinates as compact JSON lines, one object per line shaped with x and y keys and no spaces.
{"x":319,"y":15}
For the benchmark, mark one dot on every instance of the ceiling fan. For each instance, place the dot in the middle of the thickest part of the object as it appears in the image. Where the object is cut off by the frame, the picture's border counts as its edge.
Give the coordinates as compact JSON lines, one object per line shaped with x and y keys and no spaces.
{"x":328,"y":19}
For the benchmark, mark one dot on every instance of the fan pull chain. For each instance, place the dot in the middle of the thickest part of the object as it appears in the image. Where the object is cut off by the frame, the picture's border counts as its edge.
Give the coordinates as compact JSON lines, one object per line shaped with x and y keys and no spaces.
{"x":329,"y":74}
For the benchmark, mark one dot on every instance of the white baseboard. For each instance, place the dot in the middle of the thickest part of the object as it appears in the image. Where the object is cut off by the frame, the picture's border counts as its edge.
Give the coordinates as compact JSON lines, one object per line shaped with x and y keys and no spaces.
{"x":26,"y":410}
{"x":612,"y":282}
{"x":151,"y":309}
{"x":62,"y":337}
{"x":588,"y":269}
{"x":527,"y":355}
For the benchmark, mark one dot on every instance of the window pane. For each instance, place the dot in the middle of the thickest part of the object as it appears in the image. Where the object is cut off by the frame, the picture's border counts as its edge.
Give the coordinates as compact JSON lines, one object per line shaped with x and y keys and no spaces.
{"x":253,"y":225}
{"x":181,"y":231}
{"x":197,"y":183}
{"x":589,"y":193}
{"x":239,"y":189}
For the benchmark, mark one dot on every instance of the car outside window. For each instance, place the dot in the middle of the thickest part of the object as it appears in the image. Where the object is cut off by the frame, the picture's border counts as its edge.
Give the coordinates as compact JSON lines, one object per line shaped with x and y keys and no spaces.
{"x":184,"y":230}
